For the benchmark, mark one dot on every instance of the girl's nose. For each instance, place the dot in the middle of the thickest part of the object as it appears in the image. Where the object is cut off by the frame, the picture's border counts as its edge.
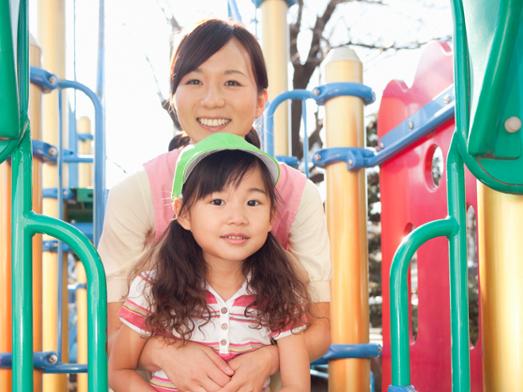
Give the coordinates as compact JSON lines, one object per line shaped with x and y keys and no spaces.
{"x":237,"y":216}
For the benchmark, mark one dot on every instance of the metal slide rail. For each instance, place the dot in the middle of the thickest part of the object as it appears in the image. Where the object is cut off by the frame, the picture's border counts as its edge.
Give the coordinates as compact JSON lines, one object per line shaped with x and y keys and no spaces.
{"x":15,"y":143}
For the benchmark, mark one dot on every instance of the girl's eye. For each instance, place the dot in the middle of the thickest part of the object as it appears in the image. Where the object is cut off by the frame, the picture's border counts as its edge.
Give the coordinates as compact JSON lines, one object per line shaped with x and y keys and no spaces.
{"x":232,"y":83}
{"x":217,"y":202}
{"x":253,"y":203}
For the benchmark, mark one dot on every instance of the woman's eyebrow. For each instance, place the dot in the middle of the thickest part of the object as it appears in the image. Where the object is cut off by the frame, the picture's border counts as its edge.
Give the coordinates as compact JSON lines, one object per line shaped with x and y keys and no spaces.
{"x":234,"y":71}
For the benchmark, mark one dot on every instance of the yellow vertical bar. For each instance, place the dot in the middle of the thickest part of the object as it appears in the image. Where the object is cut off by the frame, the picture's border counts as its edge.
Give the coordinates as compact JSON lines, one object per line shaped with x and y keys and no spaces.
{"x":85,"y":170}
{"x":85,"y":179}
{"x":347,"y":217}
{"x":500,"y":226}
{"x":35,"y":116}
{"x":51,"y":35}
{"x":5,"y":270}
{"x":275,"y":44}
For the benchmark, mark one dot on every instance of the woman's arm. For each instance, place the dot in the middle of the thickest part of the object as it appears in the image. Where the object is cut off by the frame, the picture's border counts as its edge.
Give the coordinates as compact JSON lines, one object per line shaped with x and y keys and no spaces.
{"x":317,"y":335}
{"x":126,"y":349}
{"x":309,"y":243}
{"x":294,"y":364}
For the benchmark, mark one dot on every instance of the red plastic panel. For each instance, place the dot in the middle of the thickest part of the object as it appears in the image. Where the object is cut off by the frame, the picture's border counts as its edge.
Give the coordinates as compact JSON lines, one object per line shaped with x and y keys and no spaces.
{"x":410,"y":198}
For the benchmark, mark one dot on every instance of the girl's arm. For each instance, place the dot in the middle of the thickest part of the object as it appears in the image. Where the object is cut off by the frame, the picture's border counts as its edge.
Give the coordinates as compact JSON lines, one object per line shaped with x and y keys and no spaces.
{"x":294,"y":364}
{"x":126,"y":348}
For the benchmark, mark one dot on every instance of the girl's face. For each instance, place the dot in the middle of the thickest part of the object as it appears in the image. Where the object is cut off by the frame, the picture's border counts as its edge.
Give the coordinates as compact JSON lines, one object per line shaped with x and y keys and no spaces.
{"x":232,"y":224}
{"x":220,"y":95}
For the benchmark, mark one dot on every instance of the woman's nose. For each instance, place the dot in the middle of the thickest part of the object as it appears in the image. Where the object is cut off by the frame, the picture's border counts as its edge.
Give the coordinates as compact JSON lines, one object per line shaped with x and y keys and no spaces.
{"x":213,"y":97}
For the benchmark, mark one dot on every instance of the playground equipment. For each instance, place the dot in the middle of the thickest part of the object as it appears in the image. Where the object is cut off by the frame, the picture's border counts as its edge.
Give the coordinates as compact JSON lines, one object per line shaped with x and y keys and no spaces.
{"x":414,"y":125}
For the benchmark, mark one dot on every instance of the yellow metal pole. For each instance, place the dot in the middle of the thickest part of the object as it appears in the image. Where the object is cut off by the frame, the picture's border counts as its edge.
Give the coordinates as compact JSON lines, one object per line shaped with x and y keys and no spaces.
{"x":85,"y":179}
{"x":347,"y":217}
{"x":35,"y":116}
{"x":51,"y":35}
{"x":500,"y":226}
{"x":85,"y":170}
{"x":5,"y":270}
{"x":275,"y":44}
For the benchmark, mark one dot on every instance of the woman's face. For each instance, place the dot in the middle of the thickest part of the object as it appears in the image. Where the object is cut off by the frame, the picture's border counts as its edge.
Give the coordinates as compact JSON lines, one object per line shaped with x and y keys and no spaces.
{"x":220,"y":95}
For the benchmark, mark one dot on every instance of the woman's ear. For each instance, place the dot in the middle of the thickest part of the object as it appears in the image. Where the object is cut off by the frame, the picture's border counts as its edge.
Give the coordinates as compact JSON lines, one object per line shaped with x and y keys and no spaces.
{"x":181,"y":217}
{"x":260,"y":105}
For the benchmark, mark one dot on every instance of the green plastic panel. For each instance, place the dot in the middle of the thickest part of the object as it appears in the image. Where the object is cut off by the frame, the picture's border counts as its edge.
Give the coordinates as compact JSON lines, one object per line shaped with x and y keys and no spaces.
{"x":489,"y":72}
{"x":9,"y":109}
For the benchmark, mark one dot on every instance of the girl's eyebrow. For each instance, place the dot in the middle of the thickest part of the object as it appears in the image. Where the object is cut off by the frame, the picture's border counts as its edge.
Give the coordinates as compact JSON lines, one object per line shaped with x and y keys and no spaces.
{"x":258,"y":190}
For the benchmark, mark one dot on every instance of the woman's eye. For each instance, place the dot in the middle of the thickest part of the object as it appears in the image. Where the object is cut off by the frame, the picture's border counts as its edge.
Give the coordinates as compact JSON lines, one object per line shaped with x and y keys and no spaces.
{"x":193,"y":82}
{"x":232,"y":83}
{"x":253,"y":203}
{"x":217,"y":202}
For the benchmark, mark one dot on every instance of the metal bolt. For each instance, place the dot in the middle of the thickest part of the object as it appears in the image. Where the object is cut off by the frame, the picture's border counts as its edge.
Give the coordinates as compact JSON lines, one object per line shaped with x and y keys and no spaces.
{"x":411,"y":125}
{"x":446,"y":99}
{"x":52,"y":79}
{"x":381,"y":146}
{"x":52,"y":359}
{"x":512,"y":124}
{"x":316,"y":91}
{"x":53,"y":151}
{"x":350,"y":163}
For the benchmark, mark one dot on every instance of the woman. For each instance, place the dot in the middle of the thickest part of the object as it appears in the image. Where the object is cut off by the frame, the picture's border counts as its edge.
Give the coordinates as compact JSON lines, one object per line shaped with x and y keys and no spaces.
{"x":218,"y":84}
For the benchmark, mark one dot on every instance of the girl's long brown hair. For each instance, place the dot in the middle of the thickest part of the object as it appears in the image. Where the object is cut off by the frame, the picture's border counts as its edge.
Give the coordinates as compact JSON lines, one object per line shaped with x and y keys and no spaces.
{"x":178,"y":284}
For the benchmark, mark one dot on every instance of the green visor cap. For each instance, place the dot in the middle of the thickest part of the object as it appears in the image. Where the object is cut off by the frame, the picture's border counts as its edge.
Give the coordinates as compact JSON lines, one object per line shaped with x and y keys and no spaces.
{"x":193,"y":154}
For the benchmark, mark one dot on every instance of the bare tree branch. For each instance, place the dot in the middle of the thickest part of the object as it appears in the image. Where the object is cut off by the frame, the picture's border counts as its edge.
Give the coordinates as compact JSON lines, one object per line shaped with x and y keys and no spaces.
{"x":395,"y":46}
{"x":294,"y":30}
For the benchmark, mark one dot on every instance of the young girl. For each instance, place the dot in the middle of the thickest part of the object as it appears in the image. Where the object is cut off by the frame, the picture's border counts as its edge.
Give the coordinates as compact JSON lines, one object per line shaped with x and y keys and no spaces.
{"x":219,"y":277}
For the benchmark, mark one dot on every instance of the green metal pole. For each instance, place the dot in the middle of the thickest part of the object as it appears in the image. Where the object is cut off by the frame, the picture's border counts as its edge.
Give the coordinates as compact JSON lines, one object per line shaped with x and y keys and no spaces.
{"x":459,"y":315}
{"x":22,"y":271}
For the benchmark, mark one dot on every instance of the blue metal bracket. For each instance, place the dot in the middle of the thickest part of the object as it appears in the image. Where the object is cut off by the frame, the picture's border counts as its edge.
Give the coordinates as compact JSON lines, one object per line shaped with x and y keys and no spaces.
{"x":44,"y":151}
{"x":407,"y":133}
{"x":49,"y":153}
{"x":408,"y":388}
{"x":52,"y":193}
{"x":85,"y":136}
{"x":354,"y":157}
{"x":288,"y":160}
{"x":343,"y":351}
{"x":47,"y":361}
{"x":257,"y":3}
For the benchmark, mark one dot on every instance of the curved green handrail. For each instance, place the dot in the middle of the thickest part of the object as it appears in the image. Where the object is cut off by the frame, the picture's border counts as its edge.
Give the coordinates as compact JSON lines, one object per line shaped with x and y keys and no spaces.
{"x":399,"y":304}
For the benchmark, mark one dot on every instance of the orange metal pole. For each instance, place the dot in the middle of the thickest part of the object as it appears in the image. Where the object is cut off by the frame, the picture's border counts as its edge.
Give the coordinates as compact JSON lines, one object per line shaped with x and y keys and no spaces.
{"x":5,"y":270}
{"x":347,"y":220}
{"x":35,"y":116}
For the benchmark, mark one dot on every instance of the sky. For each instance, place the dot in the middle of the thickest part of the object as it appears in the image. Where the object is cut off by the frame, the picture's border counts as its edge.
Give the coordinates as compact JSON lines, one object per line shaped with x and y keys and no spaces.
{"x":137,"y":58}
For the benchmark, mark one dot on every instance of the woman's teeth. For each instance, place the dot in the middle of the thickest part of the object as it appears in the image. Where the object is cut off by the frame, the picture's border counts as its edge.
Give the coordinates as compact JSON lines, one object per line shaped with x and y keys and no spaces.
{"x":213,"y":122}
